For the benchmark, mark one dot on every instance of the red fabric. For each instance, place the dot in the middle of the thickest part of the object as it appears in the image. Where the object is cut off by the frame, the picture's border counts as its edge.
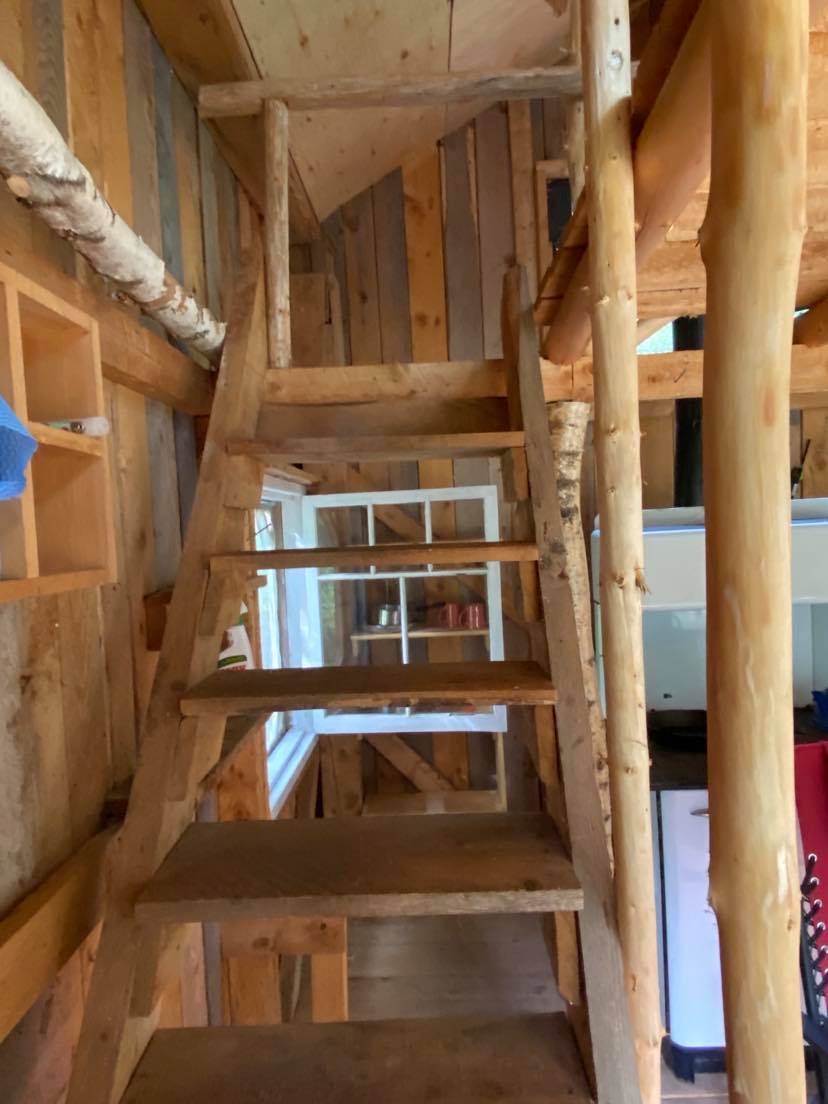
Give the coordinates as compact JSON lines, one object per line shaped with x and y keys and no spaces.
{"x":811,"y":780}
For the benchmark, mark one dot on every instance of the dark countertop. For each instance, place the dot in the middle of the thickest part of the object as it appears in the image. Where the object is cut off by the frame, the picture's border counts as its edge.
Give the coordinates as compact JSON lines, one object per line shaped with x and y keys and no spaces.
{"x":681,"y":764}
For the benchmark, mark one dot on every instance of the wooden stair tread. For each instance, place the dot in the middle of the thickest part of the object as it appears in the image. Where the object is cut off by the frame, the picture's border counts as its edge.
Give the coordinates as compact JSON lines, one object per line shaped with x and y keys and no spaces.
{"x":391,"y":555}
{"x":513,"y":1060}
{"x":364,"y":866}
{"x":377,"y":447}
{"x":498,"y":682}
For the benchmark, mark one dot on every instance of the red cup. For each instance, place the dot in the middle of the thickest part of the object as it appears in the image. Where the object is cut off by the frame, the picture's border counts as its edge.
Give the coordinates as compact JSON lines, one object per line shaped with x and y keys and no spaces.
{"x":473,"y":616}
{"x":449,"y":617}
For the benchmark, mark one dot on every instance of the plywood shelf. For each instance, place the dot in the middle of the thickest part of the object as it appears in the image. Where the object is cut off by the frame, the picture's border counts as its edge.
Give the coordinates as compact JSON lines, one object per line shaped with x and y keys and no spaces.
{"x":65,"y":439}
{"x":425,"y":633}
{"x":375,"y":687}
{"x":373,"y":866}
{"x":58,"y":535}
{"x":38,"y":586}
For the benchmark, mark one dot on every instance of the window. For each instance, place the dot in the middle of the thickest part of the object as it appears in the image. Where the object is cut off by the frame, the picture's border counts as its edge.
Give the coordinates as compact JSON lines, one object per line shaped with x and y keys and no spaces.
{"x":342,"y":605}
{"x":289,"y":738}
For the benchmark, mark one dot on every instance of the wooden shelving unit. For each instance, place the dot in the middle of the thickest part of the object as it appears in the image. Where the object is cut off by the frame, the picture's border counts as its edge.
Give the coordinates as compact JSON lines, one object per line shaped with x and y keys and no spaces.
{"x":58,"y":535}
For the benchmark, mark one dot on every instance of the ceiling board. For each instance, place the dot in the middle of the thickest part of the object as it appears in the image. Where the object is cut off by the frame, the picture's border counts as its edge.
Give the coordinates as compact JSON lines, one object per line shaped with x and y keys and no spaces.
{"x":488,"y":34}
{"x":502,"y":34}
{"x":340,"y":153}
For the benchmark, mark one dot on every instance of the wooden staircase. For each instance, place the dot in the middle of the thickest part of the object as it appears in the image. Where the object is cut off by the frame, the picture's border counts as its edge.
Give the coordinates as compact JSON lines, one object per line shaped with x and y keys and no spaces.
{"x":357,"y":867}
{"x":168,"y":871}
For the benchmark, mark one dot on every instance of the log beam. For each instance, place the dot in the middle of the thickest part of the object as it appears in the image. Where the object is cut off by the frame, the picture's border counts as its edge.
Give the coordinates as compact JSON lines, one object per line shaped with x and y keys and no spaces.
{"x":676,"y":375}
{"x":751,"y":242}
{"x":42,"y":172}
{"x":248,"y":97}
{"x":612,"y":280}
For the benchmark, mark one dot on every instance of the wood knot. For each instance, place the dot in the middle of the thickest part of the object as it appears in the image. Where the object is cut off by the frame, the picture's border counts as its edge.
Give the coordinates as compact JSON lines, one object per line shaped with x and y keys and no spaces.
{"x":19,"y":186}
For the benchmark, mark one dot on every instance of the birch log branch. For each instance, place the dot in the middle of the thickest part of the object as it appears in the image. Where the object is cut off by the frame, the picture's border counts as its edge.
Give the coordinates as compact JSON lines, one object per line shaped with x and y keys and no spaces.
{"x":568,"y":423}
{"x":42,"y":172}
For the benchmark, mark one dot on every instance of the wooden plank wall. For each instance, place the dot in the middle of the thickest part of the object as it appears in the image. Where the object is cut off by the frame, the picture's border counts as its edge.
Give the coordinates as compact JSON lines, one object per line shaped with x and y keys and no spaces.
{"x":74,"y":669}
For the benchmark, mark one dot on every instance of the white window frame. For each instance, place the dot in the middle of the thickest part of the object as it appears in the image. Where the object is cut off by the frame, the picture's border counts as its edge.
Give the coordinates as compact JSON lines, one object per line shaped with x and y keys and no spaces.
{"x":491,"y":720}
{"x":291,"y":751}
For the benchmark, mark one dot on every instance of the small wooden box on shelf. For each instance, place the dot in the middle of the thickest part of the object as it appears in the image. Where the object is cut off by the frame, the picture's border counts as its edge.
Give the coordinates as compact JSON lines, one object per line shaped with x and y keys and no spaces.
{"x":58,"y":535}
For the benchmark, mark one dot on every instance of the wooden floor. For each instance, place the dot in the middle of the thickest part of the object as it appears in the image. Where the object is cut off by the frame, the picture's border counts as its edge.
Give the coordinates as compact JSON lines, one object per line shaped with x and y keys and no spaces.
{"x":466,"y":966}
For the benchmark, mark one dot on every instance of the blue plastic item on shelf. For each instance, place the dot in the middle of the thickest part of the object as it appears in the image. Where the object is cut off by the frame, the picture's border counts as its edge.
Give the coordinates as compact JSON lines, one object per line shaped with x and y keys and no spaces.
{"x":821,"y":702}
{"x":16,"y":448}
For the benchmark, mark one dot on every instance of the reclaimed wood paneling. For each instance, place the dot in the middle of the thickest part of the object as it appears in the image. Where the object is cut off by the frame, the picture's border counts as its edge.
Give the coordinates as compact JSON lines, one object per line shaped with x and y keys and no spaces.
{"x":494,"y":198}
{"x":361,"y":266}
{"x":392,"y":268}
{"x":141,"y":93}
{"x":464,"y":299}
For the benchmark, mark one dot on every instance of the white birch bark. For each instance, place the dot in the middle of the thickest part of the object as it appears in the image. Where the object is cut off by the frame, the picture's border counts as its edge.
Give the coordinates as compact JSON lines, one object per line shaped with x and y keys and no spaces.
{"x":41,"y":170}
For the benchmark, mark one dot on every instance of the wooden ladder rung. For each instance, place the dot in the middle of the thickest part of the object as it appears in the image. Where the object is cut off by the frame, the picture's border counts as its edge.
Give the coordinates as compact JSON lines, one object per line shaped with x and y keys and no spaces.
{"x":482,"y":683}
{"x":380,"y":555}
{"x":434,"y":865}
{"x":327,"y":450}
{"x":509,"y":1059}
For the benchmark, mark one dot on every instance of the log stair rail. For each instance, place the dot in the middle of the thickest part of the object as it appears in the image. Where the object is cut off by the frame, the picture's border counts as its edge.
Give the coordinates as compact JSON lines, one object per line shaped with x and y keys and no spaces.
{"x":167,"y":871}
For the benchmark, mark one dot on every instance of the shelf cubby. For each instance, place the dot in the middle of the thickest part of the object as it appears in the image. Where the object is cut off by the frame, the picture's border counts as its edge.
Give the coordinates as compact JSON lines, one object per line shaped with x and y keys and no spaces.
{"x":58,"y":535}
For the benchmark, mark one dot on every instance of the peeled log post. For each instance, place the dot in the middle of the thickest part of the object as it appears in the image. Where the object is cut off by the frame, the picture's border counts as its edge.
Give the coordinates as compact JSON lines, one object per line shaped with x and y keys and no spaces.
{"x":606,"y":51}
{"x":568,"y":423}
{"x":276,"y":234}
{"x":43,"y":173}
{"x":751,"y":242}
